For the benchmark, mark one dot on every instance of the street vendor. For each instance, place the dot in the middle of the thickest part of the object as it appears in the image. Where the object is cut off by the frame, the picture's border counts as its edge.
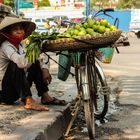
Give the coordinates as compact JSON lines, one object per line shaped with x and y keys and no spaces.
{"x":17,"y":74}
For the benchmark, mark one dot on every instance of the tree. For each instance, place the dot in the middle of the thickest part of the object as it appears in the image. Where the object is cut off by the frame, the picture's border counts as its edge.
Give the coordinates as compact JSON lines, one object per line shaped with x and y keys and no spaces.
{"x":10,"y":3}
{"x":123,"y":4}
{"x":100,"y":3}
{"x":43,"y":3}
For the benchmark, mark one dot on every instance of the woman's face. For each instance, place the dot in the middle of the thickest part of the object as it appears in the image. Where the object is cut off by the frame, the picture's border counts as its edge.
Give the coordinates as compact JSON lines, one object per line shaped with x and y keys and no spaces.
{"x":17,"y":30}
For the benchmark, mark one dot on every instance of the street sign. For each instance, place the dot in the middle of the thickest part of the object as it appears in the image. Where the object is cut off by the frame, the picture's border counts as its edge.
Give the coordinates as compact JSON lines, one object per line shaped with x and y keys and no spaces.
{"x":23,"y":4}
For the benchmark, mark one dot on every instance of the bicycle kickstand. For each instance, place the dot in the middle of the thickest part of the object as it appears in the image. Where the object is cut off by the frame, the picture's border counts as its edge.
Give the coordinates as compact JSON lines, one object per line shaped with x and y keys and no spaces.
{"x":73,"y":114}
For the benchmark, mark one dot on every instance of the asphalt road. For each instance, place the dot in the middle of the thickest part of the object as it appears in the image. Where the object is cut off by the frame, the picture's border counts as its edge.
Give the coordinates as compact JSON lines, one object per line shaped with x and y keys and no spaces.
{"x":124,"y":122}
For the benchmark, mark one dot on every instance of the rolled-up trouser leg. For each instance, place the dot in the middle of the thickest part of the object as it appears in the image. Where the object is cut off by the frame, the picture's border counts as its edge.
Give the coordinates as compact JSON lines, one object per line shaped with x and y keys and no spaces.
{"x":35,"y":75}
{"x":14,"y":84}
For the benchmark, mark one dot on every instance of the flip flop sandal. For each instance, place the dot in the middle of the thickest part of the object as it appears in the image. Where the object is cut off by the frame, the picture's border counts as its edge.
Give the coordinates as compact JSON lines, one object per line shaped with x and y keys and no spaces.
{"x":55,"y":101}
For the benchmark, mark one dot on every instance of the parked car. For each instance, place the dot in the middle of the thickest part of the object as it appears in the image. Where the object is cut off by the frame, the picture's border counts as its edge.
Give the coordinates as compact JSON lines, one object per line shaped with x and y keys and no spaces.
{"x":40,"y":24}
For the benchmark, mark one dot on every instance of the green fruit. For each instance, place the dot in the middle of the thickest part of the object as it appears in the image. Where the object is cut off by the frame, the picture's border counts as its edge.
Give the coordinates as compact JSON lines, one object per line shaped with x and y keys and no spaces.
{"x":101,"y":29}
{"x":78,"y":26}
{"x":88,"y":35}
{"x":75,"y":32}
{"x":107,"y":30}
{"x":74,"y":36}
{"x":104,"y":22}
{"x":95,"y":27}
{"x":85,"y":25}
{"x":68,"y":31}
{"x":89,"y":31}
{"x":82,"y":29}
{"x":108,"y":25}
{"x":68,"y":35}
{"x":94,"y":33}
{"x":90,"y":22}
{"x":71,"y":32}
{"x":97,"y":23}
{"x":113,"y":28}
{"x":82,"y":33}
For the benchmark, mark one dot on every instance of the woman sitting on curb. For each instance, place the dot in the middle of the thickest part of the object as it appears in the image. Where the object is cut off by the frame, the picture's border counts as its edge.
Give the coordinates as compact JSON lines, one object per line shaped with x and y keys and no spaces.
{"x":17,"y":73}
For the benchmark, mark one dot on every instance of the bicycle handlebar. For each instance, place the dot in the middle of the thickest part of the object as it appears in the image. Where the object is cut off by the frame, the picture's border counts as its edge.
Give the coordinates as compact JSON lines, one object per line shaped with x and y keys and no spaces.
{"x":106,"y":10}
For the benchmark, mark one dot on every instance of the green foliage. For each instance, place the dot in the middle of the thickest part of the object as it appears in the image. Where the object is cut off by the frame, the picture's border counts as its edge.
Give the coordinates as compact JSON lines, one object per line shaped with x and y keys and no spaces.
{"x":128,"y":4}
{"x":42,"y":3}
{"x":99,"y":4}
{"x":34,"y":45}
{"x":10,"y":3}
{"x":121,"y":4}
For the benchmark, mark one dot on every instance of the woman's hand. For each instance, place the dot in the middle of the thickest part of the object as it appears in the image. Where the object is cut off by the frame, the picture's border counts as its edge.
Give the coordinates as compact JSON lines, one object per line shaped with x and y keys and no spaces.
{"x":46,"y":76}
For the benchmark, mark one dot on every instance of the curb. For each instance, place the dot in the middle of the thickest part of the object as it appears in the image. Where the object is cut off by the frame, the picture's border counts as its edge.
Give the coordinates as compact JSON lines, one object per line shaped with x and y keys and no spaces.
{"x":42,"y":126}
{"x":55,"y":131}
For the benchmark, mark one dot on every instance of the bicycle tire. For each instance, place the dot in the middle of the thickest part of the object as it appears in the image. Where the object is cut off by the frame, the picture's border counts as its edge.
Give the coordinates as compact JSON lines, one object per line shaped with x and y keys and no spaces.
{"x":89,"y":118}
{"x":102,"y":94}
{"x":99,"y":89}
{"x":87,"y":100}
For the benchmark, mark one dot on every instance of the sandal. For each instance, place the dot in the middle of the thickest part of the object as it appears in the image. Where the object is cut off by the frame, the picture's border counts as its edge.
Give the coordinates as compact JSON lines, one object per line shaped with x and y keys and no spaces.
{"x":55,"y":101}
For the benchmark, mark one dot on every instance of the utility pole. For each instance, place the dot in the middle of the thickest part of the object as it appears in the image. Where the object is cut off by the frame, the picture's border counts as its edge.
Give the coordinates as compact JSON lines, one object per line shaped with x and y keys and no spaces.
{"x":87,"y":8}
{"x":17,"y":7}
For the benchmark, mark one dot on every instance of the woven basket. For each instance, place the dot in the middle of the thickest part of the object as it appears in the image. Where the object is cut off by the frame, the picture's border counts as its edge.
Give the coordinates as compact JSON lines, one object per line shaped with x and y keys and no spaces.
{"x":84,"y":42}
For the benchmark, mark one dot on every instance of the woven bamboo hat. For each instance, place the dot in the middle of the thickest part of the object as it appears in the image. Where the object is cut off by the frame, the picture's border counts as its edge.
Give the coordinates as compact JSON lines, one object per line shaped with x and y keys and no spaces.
{"x":28,"y":26}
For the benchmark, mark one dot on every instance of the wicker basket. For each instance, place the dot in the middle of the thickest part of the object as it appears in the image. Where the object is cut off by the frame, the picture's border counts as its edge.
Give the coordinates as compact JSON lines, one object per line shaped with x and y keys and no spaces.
{"x":84,"y":42}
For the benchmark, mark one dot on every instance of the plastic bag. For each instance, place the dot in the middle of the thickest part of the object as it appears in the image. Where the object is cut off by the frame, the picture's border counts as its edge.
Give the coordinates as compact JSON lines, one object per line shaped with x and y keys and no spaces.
{"x":65,"y":62}
{"x":105,"y":55}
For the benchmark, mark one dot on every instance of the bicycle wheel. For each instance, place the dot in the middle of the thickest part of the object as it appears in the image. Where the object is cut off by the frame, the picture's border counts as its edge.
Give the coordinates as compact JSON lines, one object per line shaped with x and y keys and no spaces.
{"x":102,"y":92}
{"x":85,"y":78}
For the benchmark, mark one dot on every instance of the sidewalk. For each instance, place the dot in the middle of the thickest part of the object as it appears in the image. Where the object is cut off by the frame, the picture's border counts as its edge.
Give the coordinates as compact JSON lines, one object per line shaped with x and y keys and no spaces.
{"x":18,"y":124}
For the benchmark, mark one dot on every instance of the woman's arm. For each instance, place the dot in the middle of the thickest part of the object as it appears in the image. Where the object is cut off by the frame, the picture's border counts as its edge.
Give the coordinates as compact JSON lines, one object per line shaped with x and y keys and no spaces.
{"x":12,"y":54}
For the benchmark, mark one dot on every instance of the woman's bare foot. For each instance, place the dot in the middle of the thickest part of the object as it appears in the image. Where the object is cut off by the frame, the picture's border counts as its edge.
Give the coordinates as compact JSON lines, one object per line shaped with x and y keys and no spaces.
{"x":31,"y":104}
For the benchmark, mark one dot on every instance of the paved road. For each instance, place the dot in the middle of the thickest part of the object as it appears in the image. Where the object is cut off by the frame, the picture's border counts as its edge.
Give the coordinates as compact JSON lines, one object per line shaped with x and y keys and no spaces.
{"x":126,"y":66}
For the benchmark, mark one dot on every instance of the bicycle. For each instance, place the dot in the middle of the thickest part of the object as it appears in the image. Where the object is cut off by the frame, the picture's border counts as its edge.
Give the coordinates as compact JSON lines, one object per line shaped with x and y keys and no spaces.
{"x":91,"y":86}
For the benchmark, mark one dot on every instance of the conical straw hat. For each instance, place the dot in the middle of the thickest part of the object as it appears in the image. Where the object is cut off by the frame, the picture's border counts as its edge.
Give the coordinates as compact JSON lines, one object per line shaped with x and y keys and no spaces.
{"x":8,"y":21}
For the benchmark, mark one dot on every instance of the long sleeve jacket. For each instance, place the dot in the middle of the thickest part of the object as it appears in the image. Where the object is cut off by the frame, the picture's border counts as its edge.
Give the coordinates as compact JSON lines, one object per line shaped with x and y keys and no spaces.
{"x":9,"y":53}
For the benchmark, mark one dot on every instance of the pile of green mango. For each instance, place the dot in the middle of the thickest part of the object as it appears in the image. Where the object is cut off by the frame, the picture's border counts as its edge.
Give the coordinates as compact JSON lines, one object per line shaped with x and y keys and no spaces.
{"x":89,"y":28}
